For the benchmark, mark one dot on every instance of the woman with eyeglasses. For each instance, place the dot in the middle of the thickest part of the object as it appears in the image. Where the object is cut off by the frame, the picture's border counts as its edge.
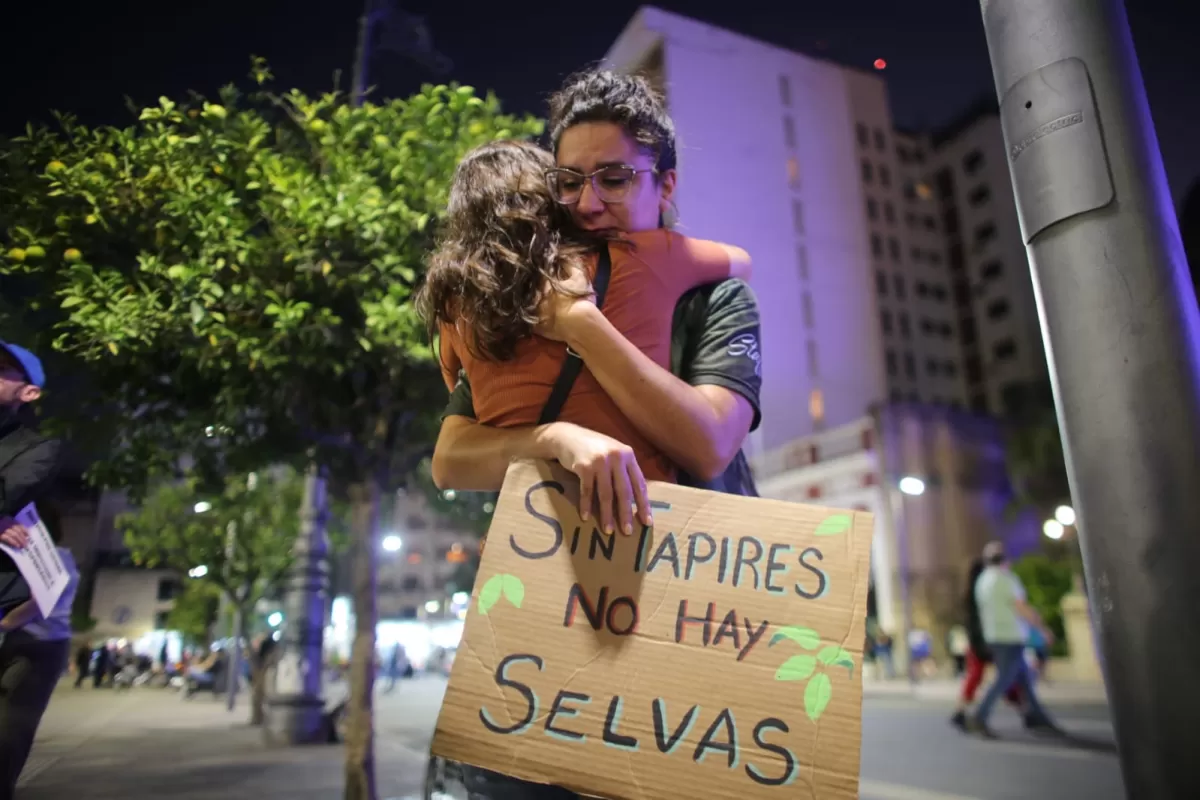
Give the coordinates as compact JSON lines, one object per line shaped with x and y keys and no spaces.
{"x":615,"y":173}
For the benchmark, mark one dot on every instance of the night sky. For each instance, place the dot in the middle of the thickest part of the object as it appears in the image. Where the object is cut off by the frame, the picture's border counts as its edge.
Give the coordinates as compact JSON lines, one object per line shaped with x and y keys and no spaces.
{"x":86,"y":57}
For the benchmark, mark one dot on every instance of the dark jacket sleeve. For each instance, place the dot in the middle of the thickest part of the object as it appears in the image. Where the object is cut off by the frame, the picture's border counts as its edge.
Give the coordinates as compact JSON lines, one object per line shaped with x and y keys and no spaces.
{"x":28,"y":475}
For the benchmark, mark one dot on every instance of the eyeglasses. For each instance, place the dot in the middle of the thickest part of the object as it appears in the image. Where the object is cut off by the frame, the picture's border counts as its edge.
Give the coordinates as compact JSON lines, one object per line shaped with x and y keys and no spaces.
{"x":611,"y":184}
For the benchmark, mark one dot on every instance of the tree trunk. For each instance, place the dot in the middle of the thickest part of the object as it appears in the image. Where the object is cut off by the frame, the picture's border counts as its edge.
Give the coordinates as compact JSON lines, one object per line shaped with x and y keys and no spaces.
{"x":360,"y":733}
{"x":259,"y":667}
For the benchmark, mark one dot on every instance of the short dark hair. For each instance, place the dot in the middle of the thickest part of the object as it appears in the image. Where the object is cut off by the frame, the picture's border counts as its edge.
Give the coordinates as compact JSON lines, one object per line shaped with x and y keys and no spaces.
{"x":626,"y":100}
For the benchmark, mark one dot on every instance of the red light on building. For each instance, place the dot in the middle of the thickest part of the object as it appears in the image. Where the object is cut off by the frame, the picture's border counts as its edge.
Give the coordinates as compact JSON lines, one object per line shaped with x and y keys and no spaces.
{"x":880,"y":64}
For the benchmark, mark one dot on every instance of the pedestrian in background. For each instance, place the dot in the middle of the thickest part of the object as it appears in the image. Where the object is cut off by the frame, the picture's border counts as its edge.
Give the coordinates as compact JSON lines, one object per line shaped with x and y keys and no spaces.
{"x":978,"y":656}
{"x":1006,"y":616}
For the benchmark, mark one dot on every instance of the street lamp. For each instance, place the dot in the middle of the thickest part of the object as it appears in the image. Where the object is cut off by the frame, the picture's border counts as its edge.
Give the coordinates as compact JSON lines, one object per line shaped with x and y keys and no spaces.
{"x":912,"y":486}
{"x":1065,"y":516}
{"x":202,"y":506}
{"x":198,"y":572}
{"x":1053,"y":529}
{"x":392,"y":543}
{"x":275,"y":618}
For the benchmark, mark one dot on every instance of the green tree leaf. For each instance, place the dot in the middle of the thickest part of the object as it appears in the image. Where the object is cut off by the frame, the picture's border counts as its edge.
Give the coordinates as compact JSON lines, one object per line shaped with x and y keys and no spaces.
{"x":832,"y":526}
{"x":796,"y":668}
{"x":817,"y":695}
{"x":489,"y":595}
{"x":514,"y":590}
{"x":836,"y":656}
{"x":805,"y":637}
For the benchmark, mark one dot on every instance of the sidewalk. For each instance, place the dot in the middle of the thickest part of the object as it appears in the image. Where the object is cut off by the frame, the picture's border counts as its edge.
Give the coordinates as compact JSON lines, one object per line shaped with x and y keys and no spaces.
{"x":943,"y":689}
{"x":149,"y":744}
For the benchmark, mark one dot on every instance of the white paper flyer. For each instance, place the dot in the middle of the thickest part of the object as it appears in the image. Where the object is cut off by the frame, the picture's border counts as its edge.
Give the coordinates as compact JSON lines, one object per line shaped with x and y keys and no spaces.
{"x":39,"y":561}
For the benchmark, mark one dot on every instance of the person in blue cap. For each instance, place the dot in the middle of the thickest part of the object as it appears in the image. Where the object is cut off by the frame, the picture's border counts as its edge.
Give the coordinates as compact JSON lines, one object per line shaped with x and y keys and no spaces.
{"x":35,"y":647}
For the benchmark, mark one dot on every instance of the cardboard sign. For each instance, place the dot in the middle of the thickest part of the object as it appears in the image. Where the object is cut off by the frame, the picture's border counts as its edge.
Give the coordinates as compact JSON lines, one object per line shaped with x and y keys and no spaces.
{"x":716,"y":655}
{"x":39,"y":562}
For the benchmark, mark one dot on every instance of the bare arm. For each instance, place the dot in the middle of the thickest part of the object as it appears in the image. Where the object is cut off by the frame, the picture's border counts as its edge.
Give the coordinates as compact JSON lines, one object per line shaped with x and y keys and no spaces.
{"x":20,"y":616}
{"x":1030,"y":615}
{"x":471,"y":457}
{"x":700,"y":428}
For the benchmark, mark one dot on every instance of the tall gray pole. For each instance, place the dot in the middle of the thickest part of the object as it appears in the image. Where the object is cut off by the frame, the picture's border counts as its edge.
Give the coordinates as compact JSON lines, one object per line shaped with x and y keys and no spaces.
{"x":1122,"y":330}
{"x":295,"y":706}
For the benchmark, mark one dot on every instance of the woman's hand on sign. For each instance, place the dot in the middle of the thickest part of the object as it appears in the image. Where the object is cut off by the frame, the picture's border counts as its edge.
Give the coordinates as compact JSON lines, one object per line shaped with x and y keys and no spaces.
{"x":13,"y":533}
{"x":561,"y":304}
{"x":608,"y":474}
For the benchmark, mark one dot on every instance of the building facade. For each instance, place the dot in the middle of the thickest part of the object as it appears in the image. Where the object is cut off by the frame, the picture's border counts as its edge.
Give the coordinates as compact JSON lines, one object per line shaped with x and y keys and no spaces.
{"x":889,"y":265}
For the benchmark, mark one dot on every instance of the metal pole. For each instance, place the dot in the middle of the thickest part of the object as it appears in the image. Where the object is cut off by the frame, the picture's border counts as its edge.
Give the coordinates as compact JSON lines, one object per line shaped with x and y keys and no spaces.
{"x":362,"y":53}
{"x":295,"y":706}
{"x":1122,"y":331}
{"x":232,"y":663}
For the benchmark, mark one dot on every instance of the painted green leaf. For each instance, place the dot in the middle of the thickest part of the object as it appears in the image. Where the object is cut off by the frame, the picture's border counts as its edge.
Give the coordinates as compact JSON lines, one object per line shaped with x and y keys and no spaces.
{"x":805,"y":637}
{"x":836,"y":656}
{"x":817,"y":694}
{"x":832,"y":526}
{"x":514,"y":590}
{"x":796,"y":668}
{"x":490,"y":593}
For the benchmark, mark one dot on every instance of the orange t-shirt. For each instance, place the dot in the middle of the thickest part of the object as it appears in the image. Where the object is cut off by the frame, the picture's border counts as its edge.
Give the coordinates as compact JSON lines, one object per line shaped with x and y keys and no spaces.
{"x":646,"y":283}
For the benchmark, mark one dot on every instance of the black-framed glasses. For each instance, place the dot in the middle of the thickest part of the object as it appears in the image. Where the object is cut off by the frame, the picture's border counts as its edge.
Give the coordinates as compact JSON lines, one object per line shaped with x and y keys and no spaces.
{"x":611,"y":184}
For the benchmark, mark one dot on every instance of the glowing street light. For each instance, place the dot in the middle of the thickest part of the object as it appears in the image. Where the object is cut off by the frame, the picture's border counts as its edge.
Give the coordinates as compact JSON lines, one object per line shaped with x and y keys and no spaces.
{"x":1065,"y":515}
{"x":198,"y":572}
{"x":392,"y":543}
{"x":1053,"y":529}
{"x":914,"y":487}
{"x":202,"y":506}
{"x":275,"y":619}
{"x":432,"y":607}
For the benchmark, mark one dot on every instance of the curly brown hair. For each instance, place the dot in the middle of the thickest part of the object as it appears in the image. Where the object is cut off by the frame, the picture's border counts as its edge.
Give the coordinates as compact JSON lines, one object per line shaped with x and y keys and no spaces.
{"x":504,"y":243}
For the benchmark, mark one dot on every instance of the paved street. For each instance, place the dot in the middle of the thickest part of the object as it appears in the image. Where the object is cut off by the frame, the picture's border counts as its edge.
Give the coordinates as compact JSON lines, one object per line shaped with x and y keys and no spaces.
{"x":150,"y":744}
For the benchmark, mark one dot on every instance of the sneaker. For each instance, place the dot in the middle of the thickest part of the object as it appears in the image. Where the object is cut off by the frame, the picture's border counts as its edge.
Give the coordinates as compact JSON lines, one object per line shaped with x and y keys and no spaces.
{"x":959,"y":720}
{"x":980,"y":728}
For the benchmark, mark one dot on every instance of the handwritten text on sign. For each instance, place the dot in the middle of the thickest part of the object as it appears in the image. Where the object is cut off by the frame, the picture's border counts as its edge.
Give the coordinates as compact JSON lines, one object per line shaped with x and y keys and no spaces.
{"x":683,"y":645}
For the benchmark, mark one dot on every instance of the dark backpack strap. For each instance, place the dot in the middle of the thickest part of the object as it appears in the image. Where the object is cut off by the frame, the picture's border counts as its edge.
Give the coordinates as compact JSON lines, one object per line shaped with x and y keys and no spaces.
{"x":573,"y":364}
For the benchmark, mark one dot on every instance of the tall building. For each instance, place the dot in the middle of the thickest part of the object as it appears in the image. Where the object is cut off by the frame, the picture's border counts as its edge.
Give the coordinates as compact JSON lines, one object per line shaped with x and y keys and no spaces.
{"x":875,"y":250}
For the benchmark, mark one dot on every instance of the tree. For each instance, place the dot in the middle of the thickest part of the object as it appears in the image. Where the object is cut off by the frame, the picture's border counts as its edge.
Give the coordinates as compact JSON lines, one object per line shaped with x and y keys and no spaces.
{"x":237,"y":544}
{"x":194,"y":611}
{"x":245,"y":268}
{"x":1034,"y":455}
{"x":1047,"y":581}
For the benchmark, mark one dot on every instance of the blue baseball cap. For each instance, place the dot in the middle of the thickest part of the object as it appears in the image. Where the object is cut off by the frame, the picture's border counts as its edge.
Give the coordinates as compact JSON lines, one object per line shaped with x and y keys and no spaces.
{"x":31,"y":364}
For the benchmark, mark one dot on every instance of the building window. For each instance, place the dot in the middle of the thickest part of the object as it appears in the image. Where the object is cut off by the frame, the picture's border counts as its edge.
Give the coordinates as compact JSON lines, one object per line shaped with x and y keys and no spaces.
{"x":812,"y":359}
{"x":160,"y":620}
{"x":872,"y":208}
{"x":910,"y":219}
{"x":806,"y":310}
{"x":979,"y":195}
{"x":793,"y":172}
{"x":910,"y":366}
{"x":885,"y":321}
{"x":919,"y":156}
{"x":931,"y":366}
{"x":411,"y":583}
{"x":915,"y":254}
{"x":802,"y":261}
{"x":889,"y":213}
{"x":992,"y":270}
{"x":903,"y":154}
{"x":950,"y":221}
{"x":816,"y":405}
{"x":898,"y":283}
{"x":785,"y":90}
{"x":935,"y":257}
{"x":922,"y":289}
{"x":924,"y":192}
{"x":930,"y":223}
{"x":950,"y":369}
{"x":166,"y":590}
{"x":868,"y":171}
{"x":998,"y":309}
{"x":880,"y":141}
{"x":457,"y":554}
{"x":876,"y":245}
{"x":798,"y":216}
{"x":972,"y":162}
{"x":910,"y":191}
{"x":939,"y":293}
{"x":1004,"y":349}
{"x":967,"y":330}
{"x":789,"y":131}
{"x":861,"y":131}
{"x":905,"y":326}
{"x":947,"y":331}
{"x":894,"y":250}
{"x":984,"y":234}
{"x":885,"y":176}
{"x":881,"y":283}
{"x":892,"y":366}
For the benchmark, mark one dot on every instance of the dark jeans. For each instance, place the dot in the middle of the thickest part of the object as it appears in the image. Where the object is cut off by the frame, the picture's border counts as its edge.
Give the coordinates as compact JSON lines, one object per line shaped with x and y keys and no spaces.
{"x":29,"y":671}
{"x":482,"y":784}
{"x":1011,"y":670}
